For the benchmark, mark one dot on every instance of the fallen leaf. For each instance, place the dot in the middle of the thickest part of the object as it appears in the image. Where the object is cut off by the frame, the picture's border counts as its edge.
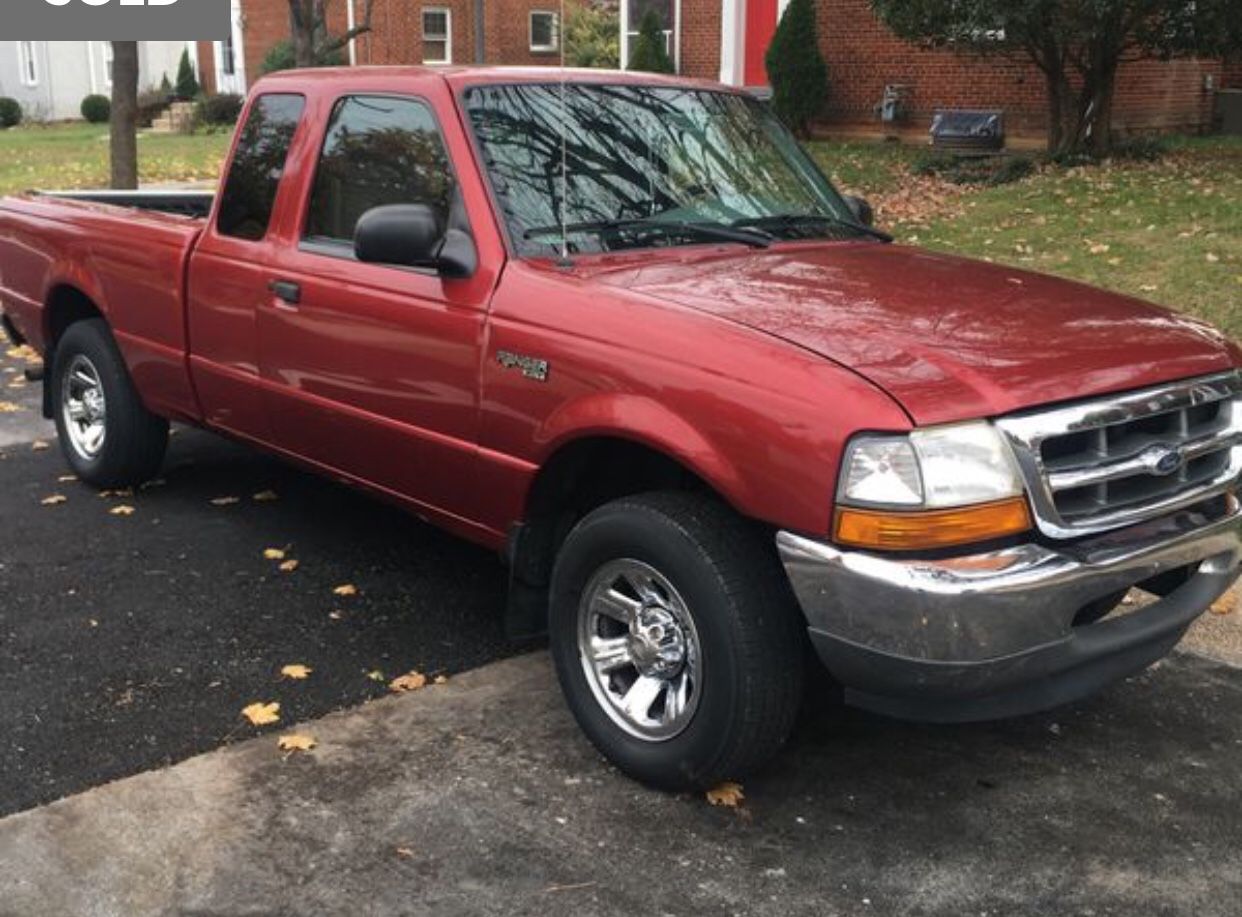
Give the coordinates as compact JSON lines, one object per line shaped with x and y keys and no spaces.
{"x":1212,"y":257}
{"x":347,"y":589}
{"x":375,"y":675}
{"x":225,"y":501}
{"x":1098,"y":248}
{"x":1227,"y":604}
{"x":265,"y":496}
{"x":123,"y":492}
{"x":405,"y":852}
{"x":121,"y":510}
{"x":296,"y":671}
{"x":273,"y":554}
{"x":727,"y":794}
{"x":38,"y":446}
{"x":411,"y":681}
{"x":334,"y":615}
{"x":8,"y":407}
{"x":288,"y":566}
{"x":66,"y":478}
{"x":260,"y":714}
{"x":54,"y":500}
{"x":296,"y":741}
{"x":440,"y":679}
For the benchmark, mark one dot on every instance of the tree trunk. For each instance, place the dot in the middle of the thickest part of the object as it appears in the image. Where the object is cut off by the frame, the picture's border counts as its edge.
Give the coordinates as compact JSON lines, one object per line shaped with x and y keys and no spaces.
{"x":1100,"y":138}
{"x":302,"y":32}
{"x":124,"y":142}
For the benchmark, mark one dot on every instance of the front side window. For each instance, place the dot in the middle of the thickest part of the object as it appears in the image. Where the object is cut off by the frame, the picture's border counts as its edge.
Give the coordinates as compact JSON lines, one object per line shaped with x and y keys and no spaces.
{"x":437,"y":35}
{"x":544,"y":31}
{"x":258,"y":165}
{"x":378,"y":151}
{"x":641,"y":164}
{"x":26,"y":61}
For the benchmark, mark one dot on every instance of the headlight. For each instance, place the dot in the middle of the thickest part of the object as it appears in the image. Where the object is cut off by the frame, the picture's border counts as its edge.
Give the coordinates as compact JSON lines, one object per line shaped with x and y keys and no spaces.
{"x":934,"y":487}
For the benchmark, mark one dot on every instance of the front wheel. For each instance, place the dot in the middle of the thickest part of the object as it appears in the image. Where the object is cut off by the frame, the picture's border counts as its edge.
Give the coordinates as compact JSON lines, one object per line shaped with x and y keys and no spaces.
{"x":676,"y":639}
{"x":107,"y":435}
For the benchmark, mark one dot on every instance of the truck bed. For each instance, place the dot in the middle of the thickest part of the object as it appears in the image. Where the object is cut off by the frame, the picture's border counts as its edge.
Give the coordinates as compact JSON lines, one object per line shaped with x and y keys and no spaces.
{"x":196,"y":204}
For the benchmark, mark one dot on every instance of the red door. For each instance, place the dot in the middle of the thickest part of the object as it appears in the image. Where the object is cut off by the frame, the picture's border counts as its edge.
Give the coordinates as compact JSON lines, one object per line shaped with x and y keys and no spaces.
{"x":761,"y":18}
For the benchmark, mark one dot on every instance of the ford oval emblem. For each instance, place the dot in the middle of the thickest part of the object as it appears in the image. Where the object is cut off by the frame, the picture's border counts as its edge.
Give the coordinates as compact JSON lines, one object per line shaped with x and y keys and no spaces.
{"x":1163,"y":459}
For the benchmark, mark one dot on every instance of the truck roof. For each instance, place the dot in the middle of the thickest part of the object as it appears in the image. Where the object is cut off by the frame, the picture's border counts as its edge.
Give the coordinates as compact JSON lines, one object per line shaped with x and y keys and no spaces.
{"x":458,"y":76}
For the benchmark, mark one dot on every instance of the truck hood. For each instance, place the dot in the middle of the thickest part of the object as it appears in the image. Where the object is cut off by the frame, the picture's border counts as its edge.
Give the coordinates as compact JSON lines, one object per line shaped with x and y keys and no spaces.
{"x":948,"y":338}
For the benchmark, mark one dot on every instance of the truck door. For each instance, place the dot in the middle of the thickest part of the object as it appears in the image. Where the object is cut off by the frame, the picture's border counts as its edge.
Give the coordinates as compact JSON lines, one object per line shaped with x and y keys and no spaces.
{"x":370,"y":370}
{"x":228,"y":280}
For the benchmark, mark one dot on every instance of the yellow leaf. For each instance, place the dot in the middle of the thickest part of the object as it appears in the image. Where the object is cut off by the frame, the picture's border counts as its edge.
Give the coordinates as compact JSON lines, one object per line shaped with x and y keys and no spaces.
{"x":260,"y":714}
{"x":411,"y":681}
{"x":289,"y":566}
{"x":225,"y":501}
{"x":297,"y":671}
{"x":440,"y":680}
{"x":296,"y":741}
{"x":274,"y":554}
{"x":54,"y":500}
{"x":375,"y":675}
{"x":121,"y":510}
{"x":265,"y":496}
{"x":8,"y":407}
{"x":727,"y":794}
{"x":347,"y":589}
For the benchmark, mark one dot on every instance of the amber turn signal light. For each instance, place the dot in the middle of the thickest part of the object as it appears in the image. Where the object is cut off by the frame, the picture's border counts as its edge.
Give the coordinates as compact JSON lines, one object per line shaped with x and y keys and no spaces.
{"x":940,"y":528}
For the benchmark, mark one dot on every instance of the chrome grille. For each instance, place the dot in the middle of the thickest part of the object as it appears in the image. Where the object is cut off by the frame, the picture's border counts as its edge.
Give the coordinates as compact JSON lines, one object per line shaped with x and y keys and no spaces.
{"x":1114,"y":461}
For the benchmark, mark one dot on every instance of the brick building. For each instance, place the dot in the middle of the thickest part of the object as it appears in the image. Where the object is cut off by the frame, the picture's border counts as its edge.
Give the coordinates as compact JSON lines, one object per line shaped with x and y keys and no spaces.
{"x":725,"y":40}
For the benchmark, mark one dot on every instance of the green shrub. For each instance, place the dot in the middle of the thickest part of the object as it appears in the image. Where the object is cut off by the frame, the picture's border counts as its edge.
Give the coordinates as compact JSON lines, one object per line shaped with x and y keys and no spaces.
{"x":166,"y":85}
{"x":592,"y":35}
{"x":10,"y":113}
{"x":1140,"y":149}
{"x":96,"y":109}
{"x":151,"y":105}
{"x":187,"y":82}
{"x":281,"y":57}
{"x":648,"y":53}
{"x":796,"y":68}
{"x":974,"y":170}
{"x":220,"y":110}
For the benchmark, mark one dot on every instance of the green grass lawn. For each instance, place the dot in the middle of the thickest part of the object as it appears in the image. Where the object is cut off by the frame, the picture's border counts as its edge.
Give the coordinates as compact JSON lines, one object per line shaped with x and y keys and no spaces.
{"x":76,"y":156}
{"x":1170,"y":232}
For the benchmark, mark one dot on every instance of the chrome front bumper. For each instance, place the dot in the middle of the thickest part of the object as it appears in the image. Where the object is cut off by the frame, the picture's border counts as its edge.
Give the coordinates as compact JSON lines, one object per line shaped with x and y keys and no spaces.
{"x":993,"y":634}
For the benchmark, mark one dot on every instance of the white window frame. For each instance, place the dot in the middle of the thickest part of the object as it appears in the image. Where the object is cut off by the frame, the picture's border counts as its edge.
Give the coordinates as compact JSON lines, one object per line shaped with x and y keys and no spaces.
{"x":447,"y":38}
{"x":672,"y":37}
{"x":107,"y":64}
{"x":556,"y":32}
{"x":27,"y":63}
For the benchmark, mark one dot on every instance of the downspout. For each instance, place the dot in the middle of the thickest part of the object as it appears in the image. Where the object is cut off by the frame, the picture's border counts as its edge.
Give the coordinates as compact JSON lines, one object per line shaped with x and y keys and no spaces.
{"x":351,"y":16}
{"x":480,"y":46}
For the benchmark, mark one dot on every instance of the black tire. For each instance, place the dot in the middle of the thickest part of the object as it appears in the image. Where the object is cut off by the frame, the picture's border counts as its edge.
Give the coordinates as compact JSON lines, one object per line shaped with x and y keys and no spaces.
{"x":751,"y":633}
{"x":134,"y":440}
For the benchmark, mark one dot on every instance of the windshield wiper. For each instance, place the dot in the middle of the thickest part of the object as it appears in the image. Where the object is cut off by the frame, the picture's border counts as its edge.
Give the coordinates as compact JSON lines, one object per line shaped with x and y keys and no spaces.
{"x":754,"y":237}
{"x":782,"y":220}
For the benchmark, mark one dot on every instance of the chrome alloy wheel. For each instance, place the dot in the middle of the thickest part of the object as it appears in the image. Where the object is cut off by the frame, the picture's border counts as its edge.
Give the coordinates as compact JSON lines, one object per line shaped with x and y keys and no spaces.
{"x":639,"y":650}
{"x":83,"y":408}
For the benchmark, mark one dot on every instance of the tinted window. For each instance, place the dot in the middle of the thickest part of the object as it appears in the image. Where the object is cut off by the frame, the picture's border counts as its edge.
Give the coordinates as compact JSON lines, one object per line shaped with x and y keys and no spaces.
{"x":250,"y":192}
{"x":378,"y":151}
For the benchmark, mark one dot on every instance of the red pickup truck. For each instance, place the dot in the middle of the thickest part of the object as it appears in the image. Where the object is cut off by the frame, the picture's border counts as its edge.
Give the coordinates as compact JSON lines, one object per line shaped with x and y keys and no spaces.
{"x":621,"y":329}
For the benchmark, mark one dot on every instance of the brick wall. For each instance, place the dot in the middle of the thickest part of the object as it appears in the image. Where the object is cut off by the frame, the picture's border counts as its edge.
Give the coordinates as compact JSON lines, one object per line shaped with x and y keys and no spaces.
{"x":1232,"y":75}
{"x":863,"y":56}
{"x":265,"y":23}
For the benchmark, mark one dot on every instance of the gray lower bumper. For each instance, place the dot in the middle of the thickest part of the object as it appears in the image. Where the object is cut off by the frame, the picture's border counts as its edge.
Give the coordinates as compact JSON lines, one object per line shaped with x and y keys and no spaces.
{"x":993,"y":634}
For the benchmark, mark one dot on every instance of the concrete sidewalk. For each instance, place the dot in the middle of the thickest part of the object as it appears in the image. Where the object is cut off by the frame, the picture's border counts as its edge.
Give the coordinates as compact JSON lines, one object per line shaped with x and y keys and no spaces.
{"x":480,"y":797}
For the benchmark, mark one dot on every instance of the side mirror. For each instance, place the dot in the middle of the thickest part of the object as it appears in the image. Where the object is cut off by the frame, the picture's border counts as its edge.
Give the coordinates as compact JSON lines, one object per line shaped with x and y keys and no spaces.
{"x":409,"y":235}
{"x":863,"y":214}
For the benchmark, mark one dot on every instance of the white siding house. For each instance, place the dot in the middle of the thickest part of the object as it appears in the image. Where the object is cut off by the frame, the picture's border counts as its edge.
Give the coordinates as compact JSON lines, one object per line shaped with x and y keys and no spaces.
{"x":51,"y":78}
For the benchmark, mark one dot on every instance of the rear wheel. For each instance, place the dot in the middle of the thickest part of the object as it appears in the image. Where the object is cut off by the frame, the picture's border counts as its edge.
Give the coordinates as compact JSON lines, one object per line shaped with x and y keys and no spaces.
{"x":106,"y":433}
{"x":676,"y":639}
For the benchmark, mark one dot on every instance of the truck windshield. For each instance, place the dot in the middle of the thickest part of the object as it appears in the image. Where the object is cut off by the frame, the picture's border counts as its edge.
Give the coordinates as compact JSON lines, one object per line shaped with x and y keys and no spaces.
{"x":647,"y":166}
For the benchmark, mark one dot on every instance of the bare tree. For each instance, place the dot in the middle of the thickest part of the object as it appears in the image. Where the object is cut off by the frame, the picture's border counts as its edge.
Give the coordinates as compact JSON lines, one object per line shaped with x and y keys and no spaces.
{"x":308,"y":30}
{"x":124,"y":126}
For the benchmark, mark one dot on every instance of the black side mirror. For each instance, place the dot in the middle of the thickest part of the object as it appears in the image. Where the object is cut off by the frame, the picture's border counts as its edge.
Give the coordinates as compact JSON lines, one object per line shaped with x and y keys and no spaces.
{"x":409,"y":235}
{"x":863,"y":214}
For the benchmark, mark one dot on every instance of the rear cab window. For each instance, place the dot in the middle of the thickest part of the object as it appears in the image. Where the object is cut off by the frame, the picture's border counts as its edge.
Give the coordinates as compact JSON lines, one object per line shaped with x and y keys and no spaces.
{"x":378,"y":150}
{"x":249,"y":194}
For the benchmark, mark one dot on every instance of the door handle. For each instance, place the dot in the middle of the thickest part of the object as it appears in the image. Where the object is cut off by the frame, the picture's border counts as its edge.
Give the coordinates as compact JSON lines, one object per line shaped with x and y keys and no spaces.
{"x":286,"y":290}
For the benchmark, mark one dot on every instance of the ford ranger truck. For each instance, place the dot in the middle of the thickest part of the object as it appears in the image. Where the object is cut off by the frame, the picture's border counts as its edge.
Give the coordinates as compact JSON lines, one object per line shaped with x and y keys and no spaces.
{"x":621,"y":329}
